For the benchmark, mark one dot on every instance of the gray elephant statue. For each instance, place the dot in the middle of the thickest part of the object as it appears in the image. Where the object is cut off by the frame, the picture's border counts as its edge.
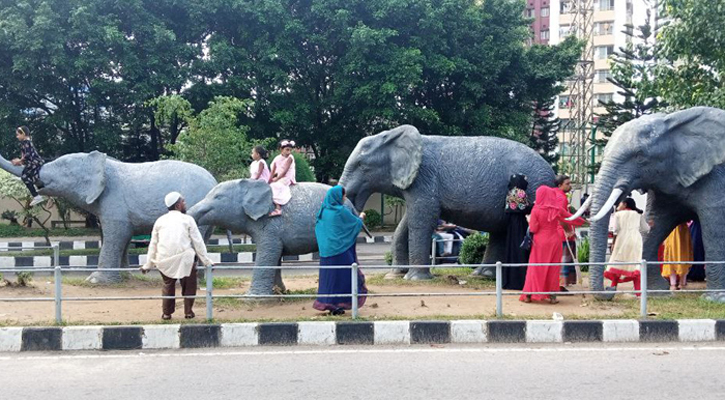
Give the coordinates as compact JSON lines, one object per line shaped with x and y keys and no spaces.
{"x":462,"y":180}
{"x":242,"y":205}
{"x":127,"y":198}
{"x":678,"y":159}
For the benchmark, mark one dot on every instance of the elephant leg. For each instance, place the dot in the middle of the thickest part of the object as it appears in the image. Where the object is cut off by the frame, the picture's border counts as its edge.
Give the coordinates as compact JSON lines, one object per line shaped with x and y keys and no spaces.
{"x":666,"y":217}
{"x":420,"y":242}
{"x":269,"y":253}
{"x":495,"y":251}
{"x":117,"y":236}
{"x":713,"y":238}
{"x":400,"y":249}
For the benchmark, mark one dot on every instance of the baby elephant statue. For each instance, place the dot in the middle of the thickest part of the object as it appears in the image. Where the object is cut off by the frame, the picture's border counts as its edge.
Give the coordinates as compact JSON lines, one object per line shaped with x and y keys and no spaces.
{"x":127,"y":198}
{"x":462,"y":180}
{"x":242,"y":206}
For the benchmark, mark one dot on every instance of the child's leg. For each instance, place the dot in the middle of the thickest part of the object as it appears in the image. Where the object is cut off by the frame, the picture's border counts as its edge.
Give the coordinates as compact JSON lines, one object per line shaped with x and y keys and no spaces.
{"x":673,"y":281}
{"x":683,"y":280}
{"x":29,"y":176}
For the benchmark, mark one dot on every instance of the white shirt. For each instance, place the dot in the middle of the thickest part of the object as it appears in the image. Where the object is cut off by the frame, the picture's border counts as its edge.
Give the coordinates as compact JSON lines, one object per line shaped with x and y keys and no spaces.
{"x":254,"y":170}
{"x":175,"y":240}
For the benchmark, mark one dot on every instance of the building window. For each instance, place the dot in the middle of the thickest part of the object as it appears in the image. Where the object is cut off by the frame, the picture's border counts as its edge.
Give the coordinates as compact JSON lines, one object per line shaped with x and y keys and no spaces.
{"x":565,"y":7}
{"x":545,"y":12}
{"x":564,"y":31}
{"x":566,"y":101}
{"x":605,"y":5}
{"x":603,"y":52}
{"x":530,"y":13}
{"x":545,"y":35}
{"x":603,"y":98}
{"x":564,"y":123}
{"x":604,"y":28}
{"x":601,"y":75}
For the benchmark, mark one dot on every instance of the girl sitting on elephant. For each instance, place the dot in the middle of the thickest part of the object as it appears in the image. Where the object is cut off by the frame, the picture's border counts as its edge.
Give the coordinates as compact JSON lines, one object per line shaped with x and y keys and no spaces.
{"x":282,"y":176}
{"x":32,"y":162}
{"x":259,"y":169}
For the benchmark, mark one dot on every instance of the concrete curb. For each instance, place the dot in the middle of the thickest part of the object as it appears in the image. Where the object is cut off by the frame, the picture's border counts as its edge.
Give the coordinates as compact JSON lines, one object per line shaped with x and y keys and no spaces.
{"x":14,"y":339}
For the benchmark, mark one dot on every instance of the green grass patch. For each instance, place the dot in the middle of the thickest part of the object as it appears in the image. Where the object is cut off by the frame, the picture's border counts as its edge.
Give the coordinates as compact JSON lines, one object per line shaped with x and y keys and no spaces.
{"x":224,"y":282}
{"x":127,"y":280}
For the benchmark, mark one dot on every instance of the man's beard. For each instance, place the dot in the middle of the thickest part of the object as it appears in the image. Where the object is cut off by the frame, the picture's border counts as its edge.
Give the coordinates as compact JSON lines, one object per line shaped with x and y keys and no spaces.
{"x":183,"y":210}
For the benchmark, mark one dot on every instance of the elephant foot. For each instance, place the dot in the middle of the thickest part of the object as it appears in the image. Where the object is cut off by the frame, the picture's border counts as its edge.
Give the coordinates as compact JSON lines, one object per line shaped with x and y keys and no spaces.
{"x":104,"y":277}
{"x":715,"y":297}
{"x":396,"y":274}
{"x":418,"y":275}
{"x":608,"y":295}
{"x":484,"y":272}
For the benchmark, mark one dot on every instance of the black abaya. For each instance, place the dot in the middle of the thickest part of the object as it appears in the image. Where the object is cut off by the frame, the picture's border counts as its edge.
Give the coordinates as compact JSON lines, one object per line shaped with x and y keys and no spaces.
{"x":514,"y":277}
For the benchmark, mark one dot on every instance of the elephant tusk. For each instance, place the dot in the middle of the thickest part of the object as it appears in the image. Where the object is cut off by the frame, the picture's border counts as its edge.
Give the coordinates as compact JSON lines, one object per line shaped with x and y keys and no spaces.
{"x":616,"y":194}
{"x":584,"y":207}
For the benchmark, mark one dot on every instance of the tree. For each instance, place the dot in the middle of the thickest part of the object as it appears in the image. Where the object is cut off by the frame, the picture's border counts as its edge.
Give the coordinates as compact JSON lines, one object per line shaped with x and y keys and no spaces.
{"x":327,"y":73}
{"x":691,"y":71}
{"x":11,"y":187}
{"x":632,"y":72}
{"x":544,"y":133}
{"x":214,"y":139}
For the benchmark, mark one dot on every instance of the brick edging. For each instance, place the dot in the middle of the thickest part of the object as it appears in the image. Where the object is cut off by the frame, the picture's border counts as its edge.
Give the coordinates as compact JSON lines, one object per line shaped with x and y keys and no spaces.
{"x":355,"y":333}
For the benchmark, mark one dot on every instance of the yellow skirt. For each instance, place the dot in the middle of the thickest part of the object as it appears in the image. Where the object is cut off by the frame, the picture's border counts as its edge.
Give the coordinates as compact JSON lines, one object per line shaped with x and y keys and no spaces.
{"x":678,"y":247}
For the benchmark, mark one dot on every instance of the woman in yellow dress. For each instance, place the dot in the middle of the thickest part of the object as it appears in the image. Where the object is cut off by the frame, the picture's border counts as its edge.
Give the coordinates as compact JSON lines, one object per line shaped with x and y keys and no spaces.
{"x":678,"y":248}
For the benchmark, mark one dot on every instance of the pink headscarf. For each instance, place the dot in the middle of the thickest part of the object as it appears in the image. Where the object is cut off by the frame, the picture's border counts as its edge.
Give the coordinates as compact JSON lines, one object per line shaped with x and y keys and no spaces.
{"x":548,"y":200}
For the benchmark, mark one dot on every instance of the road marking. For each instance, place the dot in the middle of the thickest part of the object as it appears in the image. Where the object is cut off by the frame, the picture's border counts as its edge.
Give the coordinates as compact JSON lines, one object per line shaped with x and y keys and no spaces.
{"x":359,"y":351}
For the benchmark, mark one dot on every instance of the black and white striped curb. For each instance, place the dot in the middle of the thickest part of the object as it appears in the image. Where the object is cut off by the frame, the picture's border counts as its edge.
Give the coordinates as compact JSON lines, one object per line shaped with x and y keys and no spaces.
{"x":355,"y":333}
{"x":15,"y":246}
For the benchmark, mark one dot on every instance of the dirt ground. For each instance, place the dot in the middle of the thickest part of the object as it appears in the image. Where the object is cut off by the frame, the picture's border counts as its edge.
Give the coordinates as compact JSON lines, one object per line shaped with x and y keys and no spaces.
{"x":145,"y":311}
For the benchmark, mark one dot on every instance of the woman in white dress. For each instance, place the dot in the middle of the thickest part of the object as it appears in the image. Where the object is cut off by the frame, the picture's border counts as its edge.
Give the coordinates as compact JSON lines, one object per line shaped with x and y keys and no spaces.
{"x":629,"y":225}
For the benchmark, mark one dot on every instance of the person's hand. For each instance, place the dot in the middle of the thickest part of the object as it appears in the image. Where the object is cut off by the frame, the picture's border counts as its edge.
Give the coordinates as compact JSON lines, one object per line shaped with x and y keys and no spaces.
{"x":362,"y":215}
{"x":16,"y":162}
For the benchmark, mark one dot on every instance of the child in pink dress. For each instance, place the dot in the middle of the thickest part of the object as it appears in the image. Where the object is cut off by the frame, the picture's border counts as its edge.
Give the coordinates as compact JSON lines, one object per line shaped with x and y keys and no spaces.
{"x":282,"y":176}
{"x":259,"y":169}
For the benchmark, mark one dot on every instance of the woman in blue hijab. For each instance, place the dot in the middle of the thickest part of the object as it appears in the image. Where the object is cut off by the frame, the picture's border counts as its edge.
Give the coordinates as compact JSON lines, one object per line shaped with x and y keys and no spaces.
{"x":337,"y":229}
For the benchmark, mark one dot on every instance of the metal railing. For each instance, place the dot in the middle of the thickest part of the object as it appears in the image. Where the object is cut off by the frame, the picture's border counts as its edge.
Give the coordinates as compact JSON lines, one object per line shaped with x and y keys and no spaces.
{"x":354,"y":294}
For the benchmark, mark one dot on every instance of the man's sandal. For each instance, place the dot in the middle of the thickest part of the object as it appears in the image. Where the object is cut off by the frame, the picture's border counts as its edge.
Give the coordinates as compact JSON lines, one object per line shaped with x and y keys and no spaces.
{"x":165,"y":317}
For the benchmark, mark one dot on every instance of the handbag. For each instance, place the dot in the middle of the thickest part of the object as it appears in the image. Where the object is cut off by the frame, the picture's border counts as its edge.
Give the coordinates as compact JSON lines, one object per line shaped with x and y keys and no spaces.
{"x":528,"y":241}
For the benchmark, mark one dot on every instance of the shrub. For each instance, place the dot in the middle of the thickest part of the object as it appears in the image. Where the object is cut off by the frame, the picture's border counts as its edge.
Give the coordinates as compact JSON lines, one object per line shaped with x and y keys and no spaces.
{"x":389,"y":258}
{"x":582,"y":253}
{"x":11,"y":216}
{"x":24,"y":278}
{"x":373,"y":219}
{"x":473,"y":248}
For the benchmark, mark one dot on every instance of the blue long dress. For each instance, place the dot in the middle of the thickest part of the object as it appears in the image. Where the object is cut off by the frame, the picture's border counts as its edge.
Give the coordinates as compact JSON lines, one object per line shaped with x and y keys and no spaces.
{"x":336,"y":230}
{"x":339,"y":281}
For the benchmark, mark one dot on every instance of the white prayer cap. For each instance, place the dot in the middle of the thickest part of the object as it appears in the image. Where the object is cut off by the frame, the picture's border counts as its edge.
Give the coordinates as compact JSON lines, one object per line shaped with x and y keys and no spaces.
{"x":172,"y":198}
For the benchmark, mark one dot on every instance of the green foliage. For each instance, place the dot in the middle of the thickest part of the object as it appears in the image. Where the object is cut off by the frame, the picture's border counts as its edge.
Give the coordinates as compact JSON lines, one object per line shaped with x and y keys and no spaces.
{"x":303,"y":170}
{"x":11,"y":216}
{"x":692,"y":67}
{"x":473,"y":248}
{"x":389,"y":258}
{"x":395,"y":204}
{"x":24,"y":278}
{"x":14,"y":231}
{"x":545,"y":132}
{"x":582,"y":253}
{"x":11,"y":187}
{"x":214,"y":139}
{"x":373,"y":219}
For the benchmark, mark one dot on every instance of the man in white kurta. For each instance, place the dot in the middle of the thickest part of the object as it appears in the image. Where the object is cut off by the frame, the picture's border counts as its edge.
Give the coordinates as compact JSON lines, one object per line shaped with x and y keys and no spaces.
{"x":176,"y":244}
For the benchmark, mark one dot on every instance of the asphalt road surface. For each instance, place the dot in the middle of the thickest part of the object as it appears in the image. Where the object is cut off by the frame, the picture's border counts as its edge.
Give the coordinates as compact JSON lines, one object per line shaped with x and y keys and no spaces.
{"x":662,"y":372}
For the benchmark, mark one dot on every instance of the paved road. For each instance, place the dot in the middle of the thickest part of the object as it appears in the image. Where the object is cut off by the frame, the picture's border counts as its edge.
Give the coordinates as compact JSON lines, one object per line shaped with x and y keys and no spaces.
{"x":419,"y":372}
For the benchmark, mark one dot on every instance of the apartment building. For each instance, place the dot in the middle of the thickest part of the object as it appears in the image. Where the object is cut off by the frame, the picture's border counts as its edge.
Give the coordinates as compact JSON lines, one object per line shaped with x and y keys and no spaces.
{"x":554,"y":21}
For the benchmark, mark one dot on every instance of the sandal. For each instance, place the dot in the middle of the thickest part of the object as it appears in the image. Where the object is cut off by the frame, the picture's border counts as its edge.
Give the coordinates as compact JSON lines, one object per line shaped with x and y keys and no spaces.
{"x":190,"y":316}
{"x":527,"y":299}
{"x":277,"y":212}
{"x":338,"y":311}
{"x":673,"y":287}
{"x":165,"y":317}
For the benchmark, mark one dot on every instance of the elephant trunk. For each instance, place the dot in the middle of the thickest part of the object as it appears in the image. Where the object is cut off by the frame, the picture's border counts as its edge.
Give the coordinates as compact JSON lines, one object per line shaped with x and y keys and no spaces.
{"x":603,"y":191}
{"x":9,"y":167}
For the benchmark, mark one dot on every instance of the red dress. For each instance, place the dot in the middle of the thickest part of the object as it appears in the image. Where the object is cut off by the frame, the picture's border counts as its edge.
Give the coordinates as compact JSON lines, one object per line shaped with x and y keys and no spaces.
{"x":544,"y":224}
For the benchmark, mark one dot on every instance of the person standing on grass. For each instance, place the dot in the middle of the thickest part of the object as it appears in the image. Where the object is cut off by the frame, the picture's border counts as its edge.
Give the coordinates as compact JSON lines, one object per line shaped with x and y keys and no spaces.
{"x":568,"y":272}
{"x":176,"y":245}
{"x":336,"y":230}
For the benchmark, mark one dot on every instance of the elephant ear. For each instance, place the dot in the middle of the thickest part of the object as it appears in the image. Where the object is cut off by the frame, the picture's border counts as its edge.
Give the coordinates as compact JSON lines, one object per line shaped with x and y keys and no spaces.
{"x":256,"y":198}
{"x":94,"y":171}
{"x":405,"y":147}
{"x":698,"y":137}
